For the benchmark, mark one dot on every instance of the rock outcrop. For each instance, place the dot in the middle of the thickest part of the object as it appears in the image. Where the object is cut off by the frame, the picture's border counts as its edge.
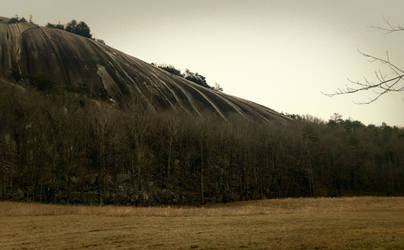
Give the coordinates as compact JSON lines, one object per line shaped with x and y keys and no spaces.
{"x":78,"y":63}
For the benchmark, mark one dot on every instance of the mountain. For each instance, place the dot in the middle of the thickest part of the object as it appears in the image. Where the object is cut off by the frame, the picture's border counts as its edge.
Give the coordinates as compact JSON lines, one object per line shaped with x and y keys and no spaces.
{"x":29,"y":52}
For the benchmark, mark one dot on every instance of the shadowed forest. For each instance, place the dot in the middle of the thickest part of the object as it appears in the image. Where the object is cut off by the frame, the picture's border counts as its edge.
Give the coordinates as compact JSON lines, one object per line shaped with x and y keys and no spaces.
{"x":61,"y":147}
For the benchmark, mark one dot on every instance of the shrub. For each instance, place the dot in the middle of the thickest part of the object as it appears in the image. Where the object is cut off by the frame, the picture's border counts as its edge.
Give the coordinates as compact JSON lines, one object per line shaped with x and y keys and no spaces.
{"x":196,"y":78}
{"x":171,"y":69}
{"x":16,"y":19}
{"x":80,"y":28}
{"x":189,"y":75}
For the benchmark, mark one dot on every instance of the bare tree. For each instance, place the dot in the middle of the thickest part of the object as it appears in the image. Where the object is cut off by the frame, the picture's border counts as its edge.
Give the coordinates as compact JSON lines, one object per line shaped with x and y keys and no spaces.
{"x":388,"y":81}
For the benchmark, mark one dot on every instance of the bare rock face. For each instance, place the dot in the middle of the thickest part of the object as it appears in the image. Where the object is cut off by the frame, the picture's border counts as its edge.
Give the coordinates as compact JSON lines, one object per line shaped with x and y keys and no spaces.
{"x":78,"y":63}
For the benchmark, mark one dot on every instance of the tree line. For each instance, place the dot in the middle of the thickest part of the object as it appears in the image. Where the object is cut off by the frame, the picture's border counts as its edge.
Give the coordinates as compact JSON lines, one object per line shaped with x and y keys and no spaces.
{"x":62,"y":147}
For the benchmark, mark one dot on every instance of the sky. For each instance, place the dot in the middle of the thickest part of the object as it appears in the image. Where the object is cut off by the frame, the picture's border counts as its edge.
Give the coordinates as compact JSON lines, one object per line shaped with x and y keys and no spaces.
{"x":278,"y":53}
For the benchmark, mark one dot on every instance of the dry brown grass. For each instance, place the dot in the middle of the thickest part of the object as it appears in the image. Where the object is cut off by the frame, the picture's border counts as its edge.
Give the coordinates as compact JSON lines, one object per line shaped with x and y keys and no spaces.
{"x":323,"y":223}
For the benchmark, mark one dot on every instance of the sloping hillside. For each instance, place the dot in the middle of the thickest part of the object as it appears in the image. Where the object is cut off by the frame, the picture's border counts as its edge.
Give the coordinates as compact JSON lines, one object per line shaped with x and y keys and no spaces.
{"x":29,"y":51}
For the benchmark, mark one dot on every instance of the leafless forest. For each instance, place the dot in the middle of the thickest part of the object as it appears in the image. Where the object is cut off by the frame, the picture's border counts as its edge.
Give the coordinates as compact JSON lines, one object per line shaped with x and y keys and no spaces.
{"x":61,"y":147}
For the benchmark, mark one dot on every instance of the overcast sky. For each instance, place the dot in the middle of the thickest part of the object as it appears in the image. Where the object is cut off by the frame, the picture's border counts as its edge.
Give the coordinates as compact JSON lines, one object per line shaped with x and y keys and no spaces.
{"x":277,"y":53}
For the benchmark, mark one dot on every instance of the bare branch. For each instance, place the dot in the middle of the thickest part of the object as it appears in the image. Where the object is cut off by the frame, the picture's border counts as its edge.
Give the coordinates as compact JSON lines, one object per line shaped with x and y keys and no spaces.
{"x":385,"y":82}
{"x":384,"y":85}
{"x":389,"y":27}
{"x":387,"y":62}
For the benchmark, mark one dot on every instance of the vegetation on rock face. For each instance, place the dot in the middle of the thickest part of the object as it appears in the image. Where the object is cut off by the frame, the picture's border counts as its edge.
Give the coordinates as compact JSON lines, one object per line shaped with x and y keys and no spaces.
{"x":17,"y":19}
{"x":79,"y":28}
{"x":196,"y":78}
{"x":170,"y":69}
{"x":189,"y":75}
{"x":60,"y":147}
{"x":56,"y":26}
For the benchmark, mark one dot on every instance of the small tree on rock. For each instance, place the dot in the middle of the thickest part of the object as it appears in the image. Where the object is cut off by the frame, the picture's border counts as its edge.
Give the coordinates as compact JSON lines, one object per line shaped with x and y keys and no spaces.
{"x":82,"y":29}
{"x":196,"y":78}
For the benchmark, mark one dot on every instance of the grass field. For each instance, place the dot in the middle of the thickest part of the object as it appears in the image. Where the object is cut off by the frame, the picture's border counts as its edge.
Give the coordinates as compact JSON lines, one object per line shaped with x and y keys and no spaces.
{"x":323,"y":223}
